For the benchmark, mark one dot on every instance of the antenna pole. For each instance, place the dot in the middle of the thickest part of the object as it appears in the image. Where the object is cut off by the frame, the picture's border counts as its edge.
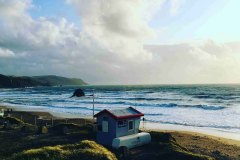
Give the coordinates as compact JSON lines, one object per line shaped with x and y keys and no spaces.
{"x":135,"y":101}
{"x":93,"y":105}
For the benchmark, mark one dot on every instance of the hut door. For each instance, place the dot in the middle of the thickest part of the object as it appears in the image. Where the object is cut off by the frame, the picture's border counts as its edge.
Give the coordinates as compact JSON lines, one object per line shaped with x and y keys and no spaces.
{"x":137,"y":122}
{"x":105,"y":126}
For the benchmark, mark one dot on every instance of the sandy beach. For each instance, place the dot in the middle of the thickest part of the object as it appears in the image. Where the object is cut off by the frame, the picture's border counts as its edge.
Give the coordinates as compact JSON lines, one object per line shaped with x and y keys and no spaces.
{"x":234,"y":137}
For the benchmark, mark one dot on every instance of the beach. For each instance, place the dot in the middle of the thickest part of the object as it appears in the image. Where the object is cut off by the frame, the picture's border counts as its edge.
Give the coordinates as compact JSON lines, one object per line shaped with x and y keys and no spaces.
{"x":235,"y":137}
{"x":196,"y":142}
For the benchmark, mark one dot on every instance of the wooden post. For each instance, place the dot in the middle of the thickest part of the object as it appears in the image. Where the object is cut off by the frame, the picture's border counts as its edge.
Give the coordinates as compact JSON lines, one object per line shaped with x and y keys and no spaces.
{"x":35,"y":120}
{"x":66,"y":121}
{"x":143,"y":123}
{"x":52,"y":122}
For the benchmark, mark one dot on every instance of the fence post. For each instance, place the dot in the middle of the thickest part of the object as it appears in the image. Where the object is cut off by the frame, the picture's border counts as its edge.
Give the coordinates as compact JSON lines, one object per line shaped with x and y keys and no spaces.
{"x":35,"y":120}
{"x":52,"y":122}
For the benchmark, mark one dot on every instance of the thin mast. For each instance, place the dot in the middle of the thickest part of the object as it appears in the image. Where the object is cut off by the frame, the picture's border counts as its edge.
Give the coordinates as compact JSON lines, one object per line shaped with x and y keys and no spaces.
{"x":93,"y":105}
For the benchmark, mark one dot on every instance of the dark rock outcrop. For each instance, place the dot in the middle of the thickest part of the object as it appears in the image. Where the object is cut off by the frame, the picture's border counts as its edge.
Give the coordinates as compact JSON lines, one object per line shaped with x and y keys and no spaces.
{"x":78,"y":93}
{"x":21,"y":82}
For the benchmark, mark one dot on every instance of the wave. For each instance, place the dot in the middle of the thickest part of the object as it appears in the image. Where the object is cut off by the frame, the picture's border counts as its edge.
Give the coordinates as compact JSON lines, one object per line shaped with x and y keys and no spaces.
{"x":205,"y":107}
{"x":194,"y":125}
{"x":214,"y":97}
{"x":161,"y":105}
{"x":55,"y":102}
{"x":142,"y":98}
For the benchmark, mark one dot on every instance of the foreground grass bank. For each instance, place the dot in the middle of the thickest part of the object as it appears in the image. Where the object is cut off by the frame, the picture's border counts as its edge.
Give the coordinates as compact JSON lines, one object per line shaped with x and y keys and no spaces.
{"x":85,"y":150}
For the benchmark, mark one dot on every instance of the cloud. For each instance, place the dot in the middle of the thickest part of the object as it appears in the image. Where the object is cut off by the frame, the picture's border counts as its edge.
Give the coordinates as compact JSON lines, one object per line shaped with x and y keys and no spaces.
{"x":109,"y":47}
{"x":201,"y":62}
{"x":13,"y":8}
{"x":6,"y":53}
{"x":175,"y":5}
{"x":112,"y":35}
{"x":118,"y":26}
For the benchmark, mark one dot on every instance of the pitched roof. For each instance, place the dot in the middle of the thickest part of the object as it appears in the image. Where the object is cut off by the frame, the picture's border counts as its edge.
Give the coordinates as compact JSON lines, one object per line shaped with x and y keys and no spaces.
{"x":121,"y":113}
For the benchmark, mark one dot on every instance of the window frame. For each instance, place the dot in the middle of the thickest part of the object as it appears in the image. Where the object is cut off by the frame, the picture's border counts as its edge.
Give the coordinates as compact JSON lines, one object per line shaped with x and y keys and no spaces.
{"x":107,"y":129}
{"x":130,"y":121}
{"x":124,"y":123}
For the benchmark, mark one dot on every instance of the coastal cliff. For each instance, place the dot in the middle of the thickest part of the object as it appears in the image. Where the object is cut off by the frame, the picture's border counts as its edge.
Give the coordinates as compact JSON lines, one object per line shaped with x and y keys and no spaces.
{"x":49,"y":80}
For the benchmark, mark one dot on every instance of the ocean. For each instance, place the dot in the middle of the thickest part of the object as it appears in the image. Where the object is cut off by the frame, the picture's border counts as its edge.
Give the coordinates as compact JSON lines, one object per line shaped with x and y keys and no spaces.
{"x":215,"y":107}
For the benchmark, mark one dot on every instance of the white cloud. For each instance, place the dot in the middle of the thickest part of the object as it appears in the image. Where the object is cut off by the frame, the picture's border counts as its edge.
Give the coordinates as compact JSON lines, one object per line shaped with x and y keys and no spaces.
{"x":175,"y":6}
{"x":203,"y":62}
{"x":13,"y":13}
{"x":109,"y":47}
{"x":118,"y":26}
{"x":6,"y":53}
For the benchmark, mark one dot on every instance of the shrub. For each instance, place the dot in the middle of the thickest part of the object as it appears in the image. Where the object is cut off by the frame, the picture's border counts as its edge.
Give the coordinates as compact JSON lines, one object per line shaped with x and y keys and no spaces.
{"x":64,"y":128}
{"x":29,"y":128}
{"x":13,"y":120}
{"x":85,"y":150}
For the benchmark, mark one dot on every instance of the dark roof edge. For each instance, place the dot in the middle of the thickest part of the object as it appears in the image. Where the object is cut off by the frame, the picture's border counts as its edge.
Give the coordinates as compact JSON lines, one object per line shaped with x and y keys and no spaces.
{"x":121,"y":117}
{"x":136,"y":110}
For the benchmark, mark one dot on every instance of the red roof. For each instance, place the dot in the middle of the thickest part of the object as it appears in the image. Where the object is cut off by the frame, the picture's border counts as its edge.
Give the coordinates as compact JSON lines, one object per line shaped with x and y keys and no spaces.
{"x":121,"y":113}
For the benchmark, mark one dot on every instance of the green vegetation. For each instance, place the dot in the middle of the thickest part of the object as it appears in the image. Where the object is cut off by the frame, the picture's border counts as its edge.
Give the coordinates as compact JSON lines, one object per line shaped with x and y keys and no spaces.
{"x":51,"y":80}
{"x":13,"y":120}
{"x":26,"y":145}
{"x":25,"y":137}
{"x":23,"y":141}
{"x":70,"y":128}
{"x":85,"y":150}
{"x":29,"y":128}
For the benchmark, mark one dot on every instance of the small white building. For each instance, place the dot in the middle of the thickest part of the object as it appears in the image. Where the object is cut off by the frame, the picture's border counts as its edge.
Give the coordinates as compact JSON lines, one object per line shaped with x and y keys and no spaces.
{"x":120,"y":128}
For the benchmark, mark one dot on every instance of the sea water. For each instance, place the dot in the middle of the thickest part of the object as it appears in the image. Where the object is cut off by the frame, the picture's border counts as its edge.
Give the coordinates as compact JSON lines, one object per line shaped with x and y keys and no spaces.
{"x":195,"y":106}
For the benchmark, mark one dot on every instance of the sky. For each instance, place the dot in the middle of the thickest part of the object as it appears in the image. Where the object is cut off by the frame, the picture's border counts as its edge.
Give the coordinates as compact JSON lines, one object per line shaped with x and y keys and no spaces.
{"x":122,"y":41}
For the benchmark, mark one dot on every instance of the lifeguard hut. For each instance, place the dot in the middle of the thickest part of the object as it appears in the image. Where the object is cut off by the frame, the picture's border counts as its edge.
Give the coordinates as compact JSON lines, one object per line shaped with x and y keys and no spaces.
{"x":120,"y":128}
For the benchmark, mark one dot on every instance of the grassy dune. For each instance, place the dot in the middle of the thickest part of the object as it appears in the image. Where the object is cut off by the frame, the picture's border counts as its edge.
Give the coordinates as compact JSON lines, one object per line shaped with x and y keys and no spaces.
{"x":85,"y":150}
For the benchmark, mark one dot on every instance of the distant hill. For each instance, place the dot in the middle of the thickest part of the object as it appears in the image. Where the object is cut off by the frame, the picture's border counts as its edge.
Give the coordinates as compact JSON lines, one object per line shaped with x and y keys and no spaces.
{"x":49,"y":80}
{"x":57,"y":80}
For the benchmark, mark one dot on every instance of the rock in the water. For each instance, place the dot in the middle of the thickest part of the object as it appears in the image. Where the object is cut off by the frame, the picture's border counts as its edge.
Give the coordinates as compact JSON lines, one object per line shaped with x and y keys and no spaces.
{"x":78,"y":93}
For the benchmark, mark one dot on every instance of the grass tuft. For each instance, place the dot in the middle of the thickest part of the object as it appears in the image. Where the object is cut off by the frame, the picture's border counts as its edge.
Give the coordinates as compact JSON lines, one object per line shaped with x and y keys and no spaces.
{"x":85,"y":150}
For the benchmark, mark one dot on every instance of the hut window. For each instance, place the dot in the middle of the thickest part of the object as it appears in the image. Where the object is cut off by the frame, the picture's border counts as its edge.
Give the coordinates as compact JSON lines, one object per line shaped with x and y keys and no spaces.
{"x":130,"y":125}
{"x":122,"y":123}
{"x":104,"y":126}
